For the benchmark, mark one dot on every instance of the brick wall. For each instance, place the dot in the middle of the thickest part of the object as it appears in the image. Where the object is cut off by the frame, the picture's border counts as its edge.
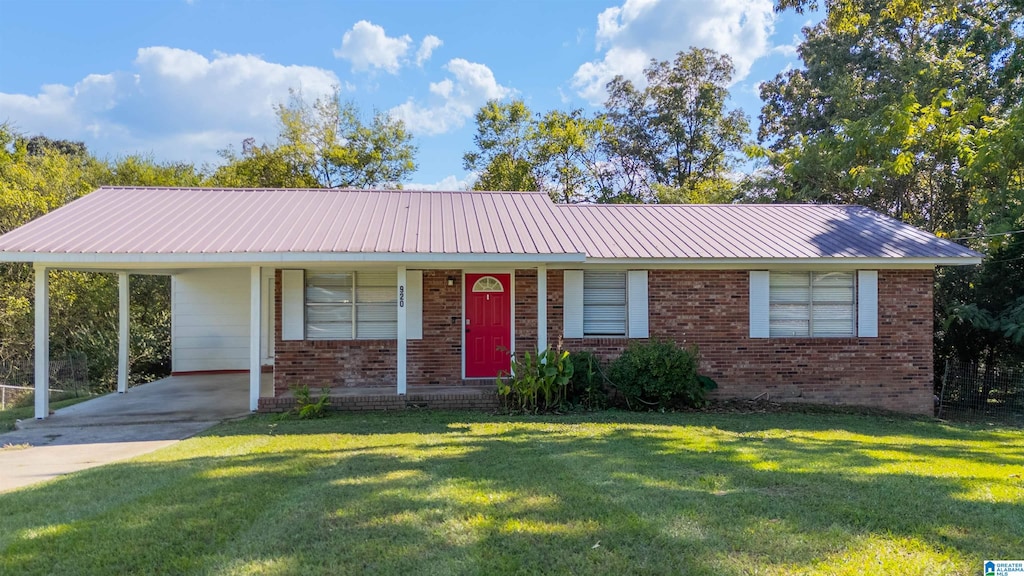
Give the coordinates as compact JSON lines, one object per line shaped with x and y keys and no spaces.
{"x":437,"y":358}
{"x":710,"y":308}
{"x":526,"y":311}
{"x":319,"y":363}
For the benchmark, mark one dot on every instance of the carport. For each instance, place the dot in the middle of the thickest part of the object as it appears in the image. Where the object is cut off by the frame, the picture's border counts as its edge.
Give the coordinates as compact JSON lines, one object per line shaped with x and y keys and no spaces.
{"x":222,"y":292}
{"x":252,"y":326}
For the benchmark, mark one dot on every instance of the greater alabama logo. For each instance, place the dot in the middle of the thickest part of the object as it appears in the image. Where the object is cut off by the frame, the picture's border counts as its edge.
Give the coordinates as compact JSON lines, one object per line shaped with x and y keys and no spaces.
{"x":1004,"y":568}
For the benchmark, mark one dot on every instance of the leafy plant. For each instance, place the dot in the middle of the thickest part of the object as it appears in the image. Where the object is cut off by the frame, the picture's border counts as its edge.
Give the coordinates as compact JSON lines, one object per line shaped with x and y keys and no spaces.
{"x":306,"y":407}
{"x":537,"y":381}
{"x":659,"y":373}
{"x":586,"y":387}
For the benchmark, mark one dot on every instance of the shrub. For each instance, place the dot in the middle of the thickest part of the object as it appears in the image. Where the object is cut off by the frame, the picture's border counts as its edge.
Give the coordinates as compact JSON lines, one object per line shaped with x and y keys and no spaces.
{"x":306,"y":407}
{"x":659,"y":373}
{"x":586,"y":387}
{"x":536,"y":382}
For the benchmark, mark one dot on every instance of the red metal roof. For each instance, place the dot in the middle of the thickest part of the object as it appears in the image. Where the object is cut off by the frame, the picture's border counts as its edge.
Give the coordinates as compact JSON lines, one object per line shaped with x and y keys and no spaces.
{"x":150,"y":222}
{"x":749,"y":231}
{"x":205,"y":221}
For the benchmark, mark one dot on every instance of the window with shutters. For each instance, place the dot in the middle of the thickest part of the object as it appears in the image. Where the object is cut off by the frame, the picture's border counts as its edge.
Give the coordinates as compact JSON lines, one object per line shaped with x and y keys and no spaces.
{"x":604,"y":303}
{"x":351,"y":306}
{"x":820,"y":304}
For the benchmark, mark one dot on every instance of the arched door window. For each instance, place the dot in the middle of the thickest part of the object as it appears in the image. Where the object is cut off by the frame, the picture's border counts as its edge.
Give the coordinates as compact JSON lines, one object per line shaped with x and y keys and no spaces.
{"x":488,"y":284}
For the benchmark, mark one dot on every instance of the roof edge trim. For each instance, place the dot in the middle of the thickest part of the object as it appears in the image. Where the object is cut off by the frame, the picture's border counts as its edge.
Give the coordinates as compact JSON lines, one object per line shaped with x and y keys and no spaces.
{"x":753,"y":263}
{"x":284,"y":257}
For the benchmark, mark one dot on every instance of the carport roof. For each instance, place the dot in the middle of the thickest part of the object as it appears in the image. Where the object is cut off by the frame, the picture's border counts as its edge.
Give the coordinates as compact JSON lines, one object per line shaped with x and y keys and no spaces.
{"x":120,"y":225}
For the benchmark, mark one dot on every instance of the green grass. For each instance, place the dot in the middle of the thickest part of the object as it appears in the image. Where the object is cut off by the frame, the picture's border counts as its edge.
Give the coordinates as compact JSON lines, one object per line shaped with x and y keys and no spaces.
{"x":466,"y":493}
{"x":27,"y":412}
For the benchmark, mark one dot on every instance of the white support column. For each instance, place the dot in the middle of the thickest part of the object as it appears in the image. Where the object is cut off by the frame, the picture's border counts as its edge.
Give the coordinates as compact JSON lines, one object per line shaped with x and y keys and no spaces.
{"x":403,"y":296}
{"x":42,"y":367}
{"x":255,"y":330}
{"x":542,"y":307}
{"x":122,"y":332}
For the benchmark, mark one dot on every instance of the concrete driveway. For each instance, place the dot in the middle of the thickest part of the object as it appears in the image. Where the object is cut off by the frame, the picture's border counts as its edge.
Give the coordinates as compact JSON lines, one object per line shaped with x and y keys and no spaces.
{"x":119,"y":426}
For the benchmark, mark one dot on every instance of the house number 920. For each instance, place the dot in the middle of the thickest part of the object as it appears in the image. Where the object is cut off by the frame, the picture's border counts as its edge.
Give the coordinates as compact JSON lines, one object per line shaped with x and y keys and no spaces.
{"x":401,"y":296}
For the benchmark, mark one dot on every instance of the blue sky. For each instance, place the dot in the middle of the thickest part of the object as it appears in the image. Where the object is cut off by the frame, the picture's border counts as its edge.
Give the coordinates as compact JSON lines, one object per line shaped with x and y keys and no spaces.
{"x":182,"y":79}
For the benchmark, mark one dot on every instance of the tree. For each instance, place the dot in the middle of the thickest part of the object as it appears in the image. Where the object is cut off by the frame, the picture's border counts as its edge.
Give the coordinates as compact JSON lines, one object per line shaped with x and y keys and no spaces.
{"x":567,"y":155}
{"x":259,"y":167}
{"x":323,"y":144}
{"x":503,"y":156}
{"x":888,"y":103}
{"x":329,"y":143}
{"x":914,"y":110}
{"x":38,"y":145}
{"x":139,"y":170}
{"x":674,"y":138}
{"x":38,"y":175}
{"x":625,"y":145}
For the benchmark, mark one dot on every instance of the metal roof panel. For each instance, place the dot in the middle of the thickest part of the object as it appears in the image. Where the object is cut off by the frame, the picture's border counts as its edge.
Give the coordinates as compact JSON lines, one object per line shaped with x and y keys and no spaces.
{"x":182,"y":221}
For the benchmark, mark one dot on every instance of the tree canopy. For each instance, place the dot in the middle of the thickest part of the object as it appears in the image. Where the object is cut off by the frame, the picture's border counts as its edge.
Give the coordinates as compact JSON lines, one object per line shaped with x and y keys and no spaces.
{"x":914,"y":110}
{"x":327,"y":144}
{"x":671,"y":140}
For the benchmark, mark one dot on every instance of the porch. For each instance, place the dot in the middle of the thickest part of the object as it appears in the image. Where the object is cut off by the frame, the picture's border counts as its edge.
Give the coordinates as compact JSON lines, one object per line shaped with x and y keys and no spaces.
{"x":359,"y":398}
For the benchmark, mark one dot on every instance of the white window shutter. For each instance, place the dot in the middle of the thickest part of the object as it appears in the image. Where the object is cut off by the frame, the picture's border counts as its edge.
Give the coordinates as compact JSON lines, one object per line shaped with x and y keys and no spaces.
{"x":293,"y":305}
{"x":867,"y":303}
{"x":572,"y":304}
{"x":759,"y":297}
{"x":414,"y":304}
{"x":637,"y":302}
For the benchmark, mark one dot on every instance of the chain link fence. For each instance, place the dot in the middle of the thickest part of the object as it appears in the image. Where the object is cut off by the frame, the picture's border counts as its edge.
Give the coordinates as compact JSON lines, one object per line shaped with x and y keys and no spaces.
{"x":69,"y":376}
{"x":976,"y":392}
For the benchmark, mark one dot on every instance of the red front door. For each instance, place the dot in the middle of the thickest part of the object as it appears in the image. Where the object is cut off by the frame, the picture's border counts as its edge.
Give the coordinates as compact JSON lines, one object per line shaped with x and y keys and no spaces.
{"x":488,"y":324}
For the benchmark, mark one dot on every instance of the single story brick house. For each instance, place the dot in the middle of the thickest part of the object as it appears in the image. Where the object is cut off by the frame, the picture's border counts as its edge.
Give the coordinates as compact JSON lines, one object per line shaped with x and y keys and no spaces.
{"x":413,"y":289}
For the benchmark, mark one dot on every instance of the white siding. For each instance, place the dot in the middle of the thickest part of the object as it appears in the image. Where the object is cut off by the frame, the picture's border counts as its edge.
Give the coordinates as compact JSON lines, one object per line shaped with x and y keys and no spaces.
{"x":637,"y":302}
{"x":210,"y":320}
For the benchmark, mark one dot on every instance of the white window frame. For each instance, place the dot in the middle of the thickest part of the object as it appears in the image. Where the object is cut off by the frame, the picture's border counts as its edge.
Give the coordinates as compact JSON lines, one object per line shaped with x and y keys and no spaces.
{"x":811,"y":302}
{"x":637,"y":305}
{"x":354,"y":303}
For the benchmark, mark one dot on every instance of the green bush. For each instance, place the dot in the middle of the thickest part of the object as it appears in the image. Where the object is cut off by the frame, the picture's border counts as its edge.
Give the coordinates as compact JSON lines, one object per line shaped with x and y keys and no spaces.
{"x":537,"y":381}
{"x":659,"y":374}
{"x":586,"y":387}
{"x":306,"y":407}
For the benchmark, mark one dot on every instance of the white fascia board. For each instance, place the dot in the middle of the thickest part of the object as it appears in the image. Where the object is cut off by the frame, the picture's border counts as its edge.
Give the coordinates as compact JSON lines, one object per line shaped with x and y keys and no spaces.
{"x":134,"y":270}
{"x":775,"y":263}
{"x":271,"y":258}
{"x":173,"y":262}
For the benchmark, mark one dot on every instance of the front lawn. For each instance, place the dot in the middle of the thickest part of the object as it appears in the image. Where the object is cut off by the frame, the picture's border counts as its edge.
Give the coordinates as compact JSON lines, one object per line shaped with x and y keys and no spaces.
{"x":467,"y":493}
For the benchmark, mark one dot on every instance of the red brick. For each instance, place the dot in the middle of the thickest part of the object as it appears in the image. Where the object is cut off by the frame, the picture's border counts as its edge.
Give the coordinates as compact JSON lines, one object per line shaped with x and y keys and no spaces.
{"x":706,"y":308}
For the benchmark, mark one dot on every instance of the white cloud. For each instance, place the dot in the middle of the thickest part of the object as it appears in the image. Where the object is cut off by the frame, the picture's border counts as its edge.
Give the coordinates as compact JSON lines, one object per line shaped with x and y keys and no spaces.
{"x":175,"y":102}
{"x":591,"y":77}
{"x":427,"y":47}
{"x":454,"y":99}
{"x":631,"y":34}
{"x":442,"y":88}
{"x":367,"y":46}
{"x":447,"y":184}
{"x":788,"y":50}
